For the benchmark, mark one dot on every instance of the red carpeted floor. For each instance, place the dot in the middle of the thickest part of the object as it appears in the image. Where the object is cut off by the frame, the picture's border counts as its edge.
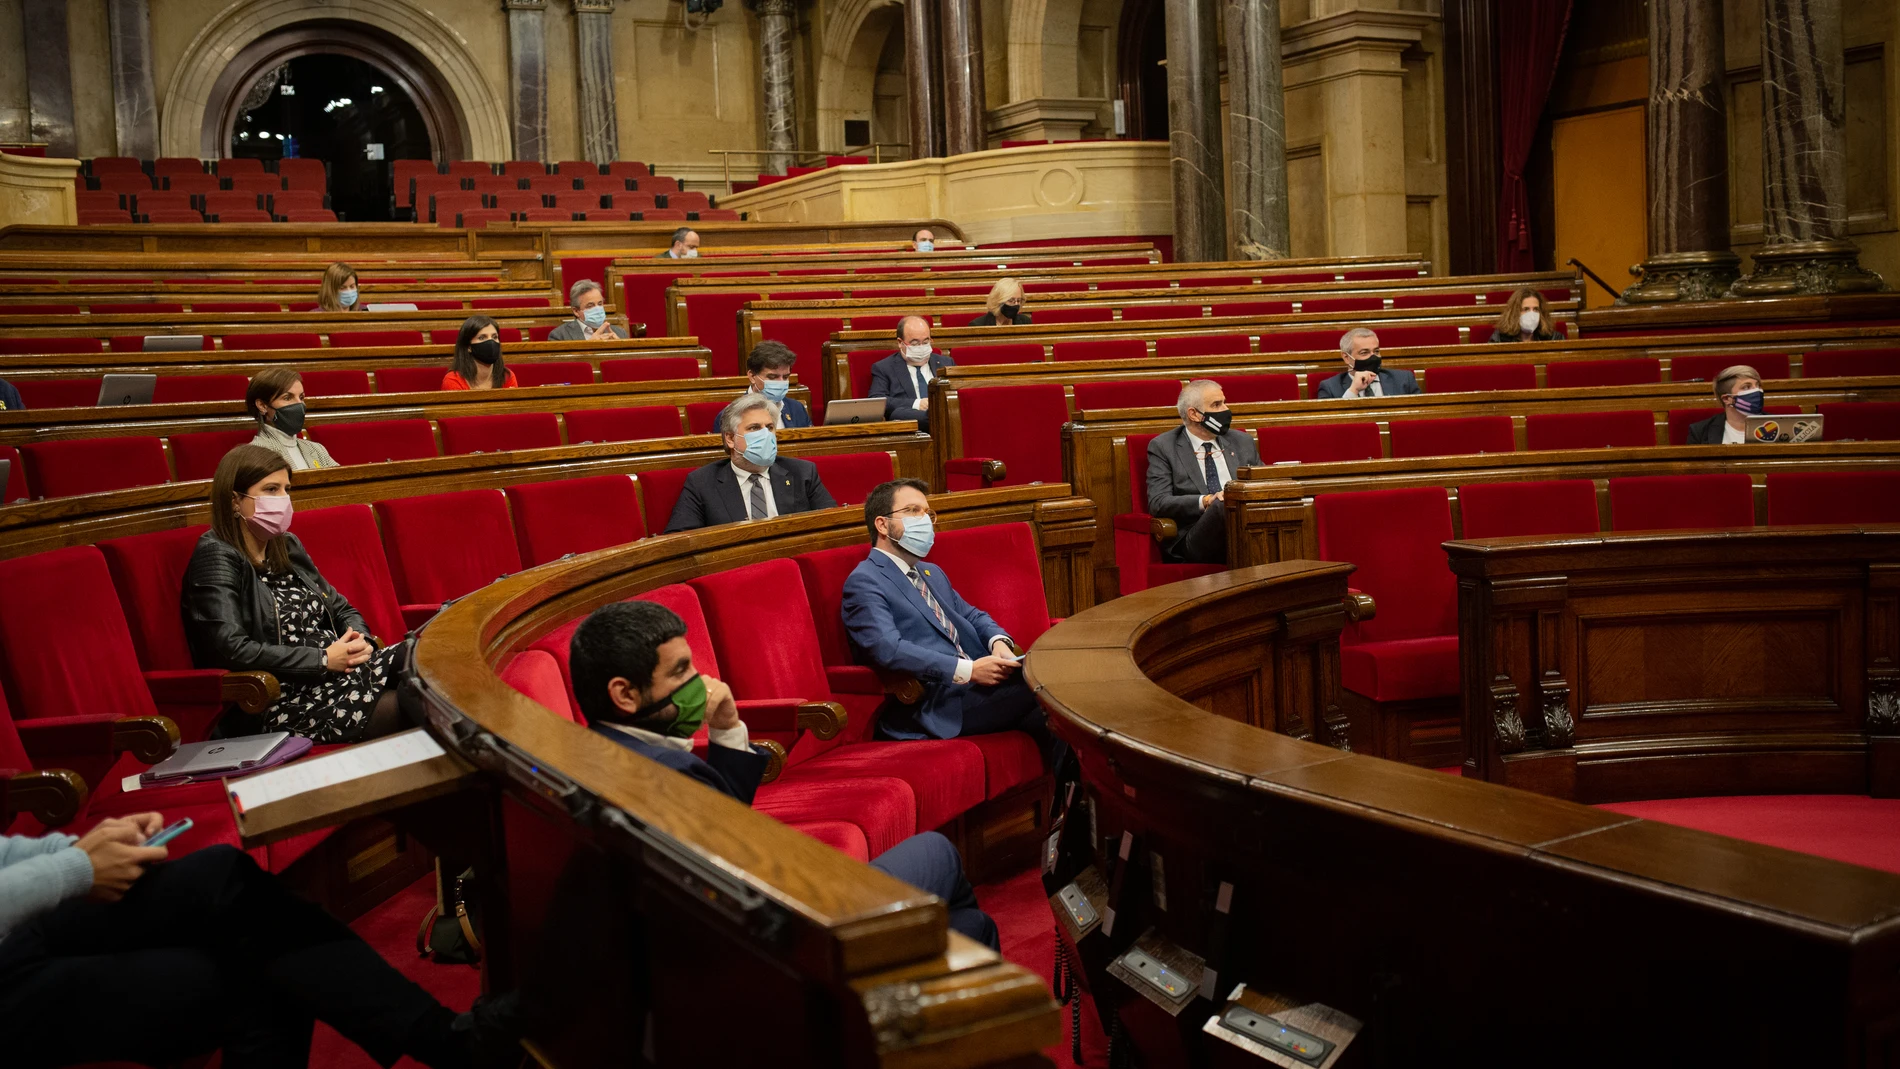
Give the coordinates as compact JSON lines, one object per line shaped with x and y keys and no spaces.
{"x":391,"y":929}
{"x":1851,"y":828}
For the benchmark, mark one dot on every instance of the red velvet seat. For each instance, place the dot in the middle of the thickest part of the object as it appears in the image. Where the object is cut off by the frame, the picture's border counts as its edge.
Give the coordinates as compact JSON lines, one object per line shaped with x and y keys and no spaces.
{"x":1668,"y":502}
{"x":196,"y":456}
{"x":1451,"y":437}
{"x":1201,"y":344}
{"x":649,"y":369}
{"x":850,"y":477}
{"x":713,"y":317}
{"x":18,"y":346}
{"x":1419,"y":334}
{"x":622,"y":424}
{"x":702,"y":417}
{"x":409,"y":379}
{"x":285,"y":340}
{"x":499,"y":433}
{"x":1833,"y":363}
{"x":149,"y":573}
{"x":659,"y":492}
{"x":553,"y":373}
{"x":1554,"y":507}
{"x":1126,"y":393}
{"x":1409,"y":650}
{"x":236,"y":306}
{"x":1074,"y":315}
{"x":364,"y":339}
{"x":997,"y":569}
{"x":1633,"y":428}
{"x":1253,"y":308}
{"x":136,"y":308}
{"x":335,"y":383}
{"x":553,"y":519}
{"x":1562,"y":375}
{"x":1704,"y":367}
{"x":1434,"y":300}
{"x":1103,"y":349}
{"x":1137,"y":554}
{"x":1319,"y":443}
{"x":983,"y":355}
{"x":1681,"y":419}
{"x":1243,"y":388}
{"x":375,"y":441}
{"x":442,"y":546}
{"x":1302,"y":341}
{"x":1162,"y":310}
{"x":857,"y":687}
{"x":1019,"y":425}
{"x":535,"y":674}
{"x":93,"y":465}
{"x":177,"y":389}
{"x":1865,"y":421}
{"x":1459,"y":379}
{"x":58,"y":393}
{"x":1833,"y":497}
{"x":344,"y":545}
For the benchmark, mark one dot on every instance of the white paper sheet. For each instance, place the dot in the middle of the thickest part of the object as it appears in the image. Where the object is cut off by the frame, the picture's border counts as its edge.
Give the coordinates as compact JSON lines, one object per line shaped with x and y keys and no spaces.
{"x":367,"y":759}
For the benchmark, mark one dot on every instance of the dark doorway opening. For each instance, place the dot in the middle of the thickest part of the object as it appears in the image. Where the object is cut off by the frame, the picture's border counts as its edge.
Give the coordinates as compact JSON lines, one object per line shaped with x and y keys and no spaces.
{"x":1144,"y":72}
{"x":339,"y":110}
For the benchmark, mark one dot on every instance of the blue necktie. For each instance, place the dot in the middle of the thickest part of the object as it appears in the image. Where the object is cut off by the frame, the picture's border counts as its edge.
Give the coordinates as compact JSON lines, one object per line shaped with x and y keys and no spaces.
{"x":1207,"y":460}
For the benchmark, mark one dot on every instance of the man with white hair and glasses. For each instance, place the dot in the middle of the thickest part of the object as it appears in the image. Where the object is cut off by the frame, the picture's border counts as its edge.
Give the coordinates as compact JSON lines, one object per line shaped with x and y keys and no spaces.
{"x":1364,"y":377}
{"x":1188,"y":471}
{"x":590,"y":315}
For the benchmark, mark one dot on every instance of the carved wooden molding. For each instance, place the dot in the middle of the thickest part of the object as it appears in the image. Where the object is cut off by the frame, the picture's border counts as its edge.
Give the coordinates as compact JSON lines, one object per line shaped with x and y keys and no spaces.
{"x":252,"y":692}
{"x":823,"y":719}
{"x":149,"y":738}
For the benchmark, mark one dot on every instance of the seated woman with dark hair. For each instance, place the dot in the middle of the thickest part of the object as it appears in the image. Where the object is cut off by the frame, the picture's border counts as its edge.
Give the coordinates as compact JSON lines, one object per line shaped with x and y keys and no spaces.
{"x":254,"y":602}
{"x":1523,"y":319}
{"x":275,"y":401}
{"x":477,"y":363}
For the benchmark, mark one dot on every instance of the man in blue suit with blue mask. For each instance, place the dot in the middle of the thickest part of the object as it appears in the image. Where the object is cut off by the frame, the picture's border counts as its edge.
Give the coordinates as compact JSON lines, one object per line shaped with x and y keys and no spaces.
{"x":754,"y":482}
{"x":905,"y":618}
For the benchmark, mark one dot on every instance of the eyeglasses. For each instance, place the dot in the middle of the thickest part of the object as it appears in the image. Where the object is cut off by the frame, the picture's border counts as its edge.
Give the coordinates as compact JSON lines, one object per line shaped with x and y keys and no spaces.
{"x":914,"y":511}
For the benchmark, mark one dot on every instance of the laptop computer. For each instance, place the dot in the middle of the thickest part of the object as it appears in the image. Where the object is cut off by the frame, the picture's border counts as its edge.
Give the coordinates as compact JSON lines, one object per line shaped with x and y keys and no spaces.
{"x":854,"y":410}
{"x":173,"y":343}
{"x":214,"y":756}
{"x":122,"y":389}
{"x":1787,"y":428}
{"x":394,"y":306}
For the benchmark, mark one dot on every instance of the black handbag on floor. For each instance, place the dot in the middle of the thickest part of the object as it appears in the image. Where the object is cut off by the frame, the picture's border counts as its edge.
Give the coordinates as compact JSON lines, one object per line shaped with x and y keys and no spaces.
{"x":450,"y":933}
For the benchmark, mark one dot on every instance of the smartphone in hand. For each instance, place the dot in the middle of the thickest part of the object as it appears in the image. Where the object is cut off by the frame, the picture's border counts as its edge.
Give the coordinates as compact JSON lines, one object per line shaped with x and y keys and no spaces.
{"x":170,"y":832}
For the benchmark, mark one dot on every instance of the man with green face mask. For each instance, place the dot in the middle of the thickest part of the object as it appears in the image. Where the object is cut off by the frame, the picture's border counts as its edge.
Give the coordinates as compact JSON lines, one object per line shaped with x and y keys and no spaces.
{"x":633,"y":674}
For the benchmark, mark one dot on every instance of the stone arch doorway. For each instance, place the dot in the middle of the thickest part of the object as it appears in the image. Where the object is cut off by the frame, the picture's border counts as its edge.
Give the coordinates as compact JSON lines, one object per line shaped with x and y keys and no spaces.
{"x":1143,"y":47}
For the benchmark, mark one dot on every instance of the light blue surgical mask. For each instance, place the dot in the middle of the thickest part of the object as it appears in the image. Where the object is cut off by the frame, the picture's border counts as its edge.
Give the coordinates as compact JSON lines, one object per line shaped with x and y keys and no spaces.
{"x":920,"y":533}
{"x":775,"y":389}
{"x":594,"y":316}
{"x":926,"y":246}
{"x":761,"y":447}
{"x":346,"y":298}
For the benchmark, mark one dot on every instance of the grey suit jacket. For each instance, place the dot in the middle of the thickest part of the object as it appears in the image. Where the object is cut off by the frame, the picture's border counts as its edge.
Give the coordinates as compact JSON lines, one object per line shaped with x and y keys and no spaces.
{"x":1177,"y":477}
{"x":575,"y":330}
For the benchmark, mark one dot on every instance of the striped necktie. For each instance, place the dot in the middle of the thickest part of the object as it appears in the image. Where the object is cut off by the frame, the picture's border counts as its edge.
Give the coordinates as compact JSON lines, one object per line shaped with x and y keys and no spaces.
{"x":756,"y":496}
{"x":943,"y":621}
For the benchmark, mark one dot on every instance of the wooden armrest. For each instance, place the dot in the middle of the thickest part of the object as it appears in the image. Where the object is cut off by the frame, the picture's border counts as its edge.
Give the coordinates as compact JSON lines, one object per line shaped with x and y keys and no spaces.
{"x":1359,"y":607}
{"x":776,"y":762}
{"x":252,"y":692}
{"x":990,"y":470}
{"x":1162,"y":528}
{"x":149,"y":738}
{"x":903,"y":686}
{"x":823,"y":719}
{"x":54,"y":796}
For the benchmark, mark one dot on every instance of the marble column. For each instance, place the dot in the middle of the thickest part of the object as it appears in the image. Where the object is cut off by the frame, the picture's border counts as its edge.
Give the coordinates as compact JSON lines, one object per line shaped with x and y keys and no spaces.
{"x":777,"y":29}
{"x":965,"y":116}
{"x":49,"y":76}
{"x":920,"y":69}
{"x":1194,"y":133}
{"x":1689,"y":257}
{"x":528,"y":76}
{"x":594,"y":55}
{"x":1804,"y":166}
{"x":1256,"y":130}
{"x":134,"y":96}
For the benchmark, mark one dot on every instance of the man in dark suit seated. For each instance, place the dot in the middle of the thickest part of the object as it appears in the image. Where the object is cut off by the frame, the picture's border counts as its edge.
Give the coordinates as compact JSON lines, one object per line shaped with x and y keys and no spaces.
{"x":633,"y":674}
{"x":590,"y":316}
{"x":903,"y":378}
{"x":753,"y":482}
{"x":768,"y":371}
{"x":1189,"y":468}
{"x":1363,"y":377}
{"x":685,"y":245}
{"x":905,"y":618}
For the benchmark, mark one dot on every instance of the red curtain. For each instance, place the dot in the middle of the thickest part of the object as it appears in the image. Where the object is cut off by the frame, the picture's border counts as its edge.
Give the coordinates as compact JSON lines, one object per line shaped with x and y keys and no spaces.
{"x":1530,"y":41}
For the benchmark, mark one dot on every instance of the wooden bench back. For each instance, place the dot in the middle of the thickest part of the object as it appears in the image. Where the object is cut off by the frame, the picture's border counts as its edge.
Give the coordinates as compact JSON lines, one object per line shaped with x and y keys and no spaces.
{"x":331,"y":357}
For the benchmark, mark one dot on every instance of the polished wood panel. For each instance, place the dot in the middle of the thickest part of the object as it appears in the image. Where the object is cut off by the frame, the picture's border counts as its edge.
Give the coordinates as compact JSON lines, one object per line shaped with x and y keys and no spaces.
{"x":331,"y":357}
{"x":1653,"y":665}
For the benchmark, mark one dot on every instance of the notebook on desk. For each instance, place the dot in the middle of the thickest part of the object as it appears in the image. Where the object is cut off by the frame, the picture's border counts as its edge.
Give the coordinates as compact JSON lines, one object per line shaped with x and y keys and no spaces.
{"x":1777,"y":430}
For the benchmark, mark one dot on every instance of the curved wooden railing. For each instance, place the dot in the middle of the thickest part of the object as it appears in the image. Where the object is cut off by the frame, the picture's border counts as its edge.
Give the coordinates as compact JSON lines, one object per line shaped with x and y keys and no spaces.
{"x":826,"y":961}
{"x":1462,"y":922}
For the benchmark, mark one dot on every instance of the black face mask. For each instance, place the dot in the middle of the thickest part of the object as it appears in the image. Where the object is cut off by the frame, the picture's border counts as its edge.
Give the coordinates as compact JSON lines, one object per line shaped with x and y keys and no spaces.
{"x":486,"y":352}
{"x":1370,"y":363}
{"x":1217,"y":422}
{"x":1010,"y":311}
{"x":289,"y":418}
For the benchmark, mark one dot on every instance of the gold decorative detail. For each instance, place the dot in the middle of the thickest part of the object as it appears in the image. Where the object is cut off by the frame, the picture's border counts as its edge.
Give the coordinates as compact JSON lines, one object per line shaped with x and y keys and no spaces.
{"x":1510,"y":728}
{"x":1802,"y":267}
{"x":1683,"y":276}
{"x":896,"y":1013}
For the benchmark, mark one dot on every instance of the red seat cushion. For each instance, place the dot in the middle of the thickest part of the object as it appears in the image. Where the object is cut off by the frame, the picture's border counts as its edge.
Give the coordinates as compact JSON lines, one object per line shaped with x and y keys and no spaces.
{"x":94,"y":465}
{"x":343,"y":543}
{"x":1451,"y":437}
{"x":374,"y":441}
{"x":1457,"y":379}
{"x":649,"y":369}
{"x":946,"y":776}
{"x":1318,"y":443}
{"x":553,"y":373}
{"x":980,"y":355}
{"x":16,"y":346}
{"x":852,"y":476}
{"x":1395,"y":538}
{"x":1168,"y":309}
{"x":553,"y":519}
{"x":840,"y":835}
{"x":884,"y":807}
{"x":365,"y":339}
{"x":1589,"y":430}
{"x":1019,"y":425}
{"x":443,"y":546}
{"x":1866,"y":421}
{"x":499,"y":433}
{"x":1579,"y":373}
{"x":1664,"y":502}
{"x":285,"y":340}
{"x":1554,"y":507}
{"x":1704,"y":367}
{"x":998,"y":570}
{"x":1826,"y":363}
{"x":659,"y":492}
{"x":335,"y":382}
{"x":1103,"y":349}
{"x":65,"y":647}
{"x":58,"y":393}
{"x":1010,"y":759}
{"x":149,"y":572}
{"x":1403,"y":669}
{"x":1254,"y":308}
{"x":713,"y":317}
{"x":1127,"y":393}
{"x":1201,"y":344}
{"x":1243,"y":388}
{"x":196,"y":456}
{"x":1419,"y":334}
{"x":1301,"y":341}
{"x":408,"y":379}
{"x":1815,"y":497}
{"x":1074,"y":315}
{"x":535,"y":674}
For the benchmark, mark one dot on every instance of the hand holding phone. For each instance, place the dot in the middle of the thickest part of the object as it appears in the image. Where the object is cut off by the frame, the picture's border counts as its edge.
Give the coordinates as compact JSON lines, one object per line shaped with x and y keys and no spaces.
{"x":170,"y":832}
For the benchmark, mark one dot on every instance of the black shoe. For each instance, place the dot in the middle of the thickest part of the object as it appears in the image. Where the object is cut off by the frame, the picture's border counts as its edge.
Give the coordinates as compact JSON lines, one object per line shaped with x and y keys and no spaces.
{"x":491,"y":1032}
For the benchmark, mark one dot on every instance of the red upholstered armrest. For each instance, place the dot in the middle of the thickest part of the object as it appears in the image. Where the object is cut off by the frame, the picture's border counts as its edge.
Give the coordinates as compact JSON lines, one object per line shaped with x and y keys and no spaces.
{"x":414,"y":616}
{"x":52,"y":795}
{"x":1159,"y":527}
{"x":973,"y":473}
{"x":65,"y":740}
{"x":852,"y":679}
{"x":251,"y":691}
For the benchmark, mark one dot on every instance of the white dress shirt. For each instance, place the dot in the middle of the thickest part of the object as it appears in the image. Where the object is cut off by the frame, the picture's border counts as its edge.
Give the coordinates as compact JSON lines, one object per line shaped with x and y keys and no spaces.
{"x":911,"y":371}
{"x":965,"y":666}
{"x":734,"y":738}
{"x":745,"y":490}
{"x":1200,"y":465}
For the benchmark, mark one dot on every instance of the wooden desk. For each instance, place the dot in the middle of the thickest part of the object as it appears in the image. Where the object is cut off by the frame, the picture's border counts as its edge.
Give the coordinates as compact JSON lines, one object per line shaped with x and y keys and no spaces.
{"x":1466,"y":923}
{"x":1658,"y":665}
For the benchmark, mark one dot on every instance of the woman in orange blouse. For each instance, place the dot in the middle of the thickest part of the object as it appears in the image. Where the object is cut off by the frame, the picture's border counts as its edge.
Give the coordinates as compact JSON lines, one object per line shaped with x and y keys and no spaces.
{"x":477,"y":363}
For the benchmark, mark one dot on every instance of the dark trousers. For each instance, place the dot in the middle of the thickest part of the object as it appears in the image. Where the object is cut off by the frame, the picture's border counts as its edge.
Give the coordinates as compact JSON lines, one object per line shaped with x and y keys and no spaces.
{"x":1007,"y":706}
{"x":204,"y":953}
{"x":929,"y":862}
{"x":1204,"y":541}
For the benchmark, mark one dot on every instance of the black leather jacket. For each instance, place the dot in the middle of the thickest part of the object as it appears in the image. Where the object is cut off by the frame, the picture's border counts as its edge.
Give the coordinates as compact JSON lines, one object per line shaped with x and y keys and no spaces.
{"x":231,"y":616}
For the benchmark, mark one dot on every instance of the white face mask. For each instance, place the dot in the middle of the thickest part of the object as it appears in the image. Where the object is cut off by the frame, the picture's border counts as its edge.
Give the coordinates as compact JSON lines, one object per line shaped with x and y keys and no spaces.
{"x":1528,"y":321}
{"x":692,"y":254}
{"x":917,"y":354}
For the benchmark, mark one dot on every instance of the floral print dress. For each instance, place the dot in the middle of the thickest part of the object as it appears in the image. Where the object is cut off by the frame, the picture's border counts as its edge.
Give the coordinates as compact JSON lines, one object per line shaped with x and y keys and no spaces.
{"x":335,"y":708}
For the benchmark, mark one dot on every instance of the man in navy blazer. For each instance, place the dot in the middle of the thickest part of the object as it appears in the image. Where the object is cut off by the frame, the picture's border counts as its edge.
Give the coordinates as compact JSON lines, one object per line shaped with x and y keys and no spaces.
{"x":768,"y":370}
{"x":633,"y":674}
{"x":905,"y":617}
{"x":902,"y":379}
{"x":1363,"y":377}
{"x":753,"y":482}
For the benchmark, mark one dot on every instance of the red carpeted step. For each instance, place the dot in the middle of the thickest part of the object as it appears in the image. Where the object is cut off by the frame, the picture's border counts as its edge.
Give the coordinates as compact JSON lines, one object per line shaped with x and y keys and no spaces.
{"x":1846,"y":827}
{"x":1027,"y":928}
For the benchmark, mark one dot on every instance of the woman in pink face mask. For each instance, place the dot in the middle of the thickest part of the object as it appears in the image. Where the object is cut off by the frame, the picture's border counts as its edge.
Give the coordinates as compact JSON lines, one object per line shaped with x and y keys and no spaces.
{"x":254,"y":602}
